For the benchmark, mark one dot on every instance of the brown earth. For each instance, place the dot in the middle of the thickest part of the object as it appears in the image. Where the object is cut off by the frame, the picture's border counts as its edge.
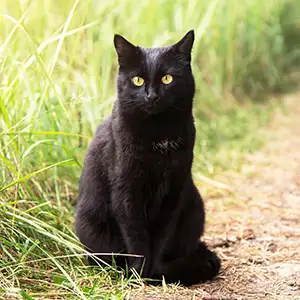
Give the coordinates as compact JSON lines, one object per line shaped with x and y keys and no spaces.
{"x":255,"y":228}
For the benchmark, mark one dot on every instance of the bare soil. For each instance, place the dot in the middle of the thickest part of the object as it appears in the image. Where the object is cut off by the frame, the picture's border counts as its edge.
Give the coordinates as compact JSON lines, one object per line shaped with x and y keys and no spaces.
{"x":255,"y":227}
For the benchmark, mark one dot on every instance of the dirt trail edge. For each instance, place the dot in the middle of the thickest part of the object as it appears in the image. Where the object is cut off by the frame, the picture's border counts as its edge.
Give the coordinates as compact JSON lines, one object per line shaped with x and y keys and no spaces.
{"x":255,"y":229}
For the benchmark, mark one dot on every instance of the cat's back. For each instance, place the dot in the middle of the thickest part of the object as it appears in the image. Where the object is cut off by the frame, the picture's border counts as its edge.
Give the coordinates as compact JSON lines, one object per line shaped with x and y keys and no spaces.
{"x":101,"y":147}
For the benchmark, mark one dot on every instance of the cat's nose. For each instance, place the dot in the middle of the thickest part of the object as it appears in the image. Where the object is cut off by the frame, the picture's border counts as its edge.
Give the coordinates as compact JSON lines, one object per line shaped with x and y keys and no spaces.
{"x":152,"y":98}
{"x":152,"y":95}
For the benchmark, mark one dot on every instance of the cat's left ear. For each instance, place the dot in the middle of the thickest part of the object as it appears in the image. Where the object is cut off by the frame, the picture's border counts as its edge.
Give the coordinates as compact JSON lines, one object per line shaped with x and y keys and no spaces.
{"x":185,"y":45}
{"x":123,"y":47}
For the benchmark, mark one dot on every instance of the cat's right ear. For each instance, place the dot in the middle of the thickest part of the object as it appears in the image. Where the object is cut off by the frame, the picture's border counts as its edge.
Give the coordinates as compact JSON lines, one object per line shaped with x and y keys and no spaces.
{"x":185,"y":45}
{"x":124,"y":48}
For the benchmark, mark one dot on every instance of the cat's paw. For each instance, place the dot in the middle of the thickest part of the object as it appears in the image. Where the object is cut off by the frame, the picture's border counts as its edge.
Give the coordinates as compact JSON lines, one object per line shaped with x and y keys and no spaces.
{"x":204,"y":265}
{"x":140,"y":266}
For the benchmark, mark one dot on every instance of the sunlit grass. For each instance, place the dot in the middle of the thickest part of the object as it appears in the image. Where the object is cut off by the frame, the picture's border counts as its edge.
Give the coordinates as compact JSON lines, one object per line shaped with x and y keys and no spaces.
{"x":57,"y":83}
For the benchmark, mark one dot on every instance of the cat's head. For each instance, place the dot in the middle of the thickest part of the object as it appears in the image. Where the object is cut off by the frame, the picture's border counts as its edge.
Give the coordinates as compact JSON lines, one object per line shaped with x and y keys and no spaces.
{"x":154,"y":80}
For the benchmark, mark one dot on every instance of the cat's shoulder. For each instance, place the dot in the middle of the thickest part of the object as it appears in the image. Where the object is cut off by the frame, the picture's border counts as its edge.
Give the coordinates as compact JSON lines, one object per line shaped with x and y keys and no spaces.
{"x":104,"y":128}
{"x":101,"y":139}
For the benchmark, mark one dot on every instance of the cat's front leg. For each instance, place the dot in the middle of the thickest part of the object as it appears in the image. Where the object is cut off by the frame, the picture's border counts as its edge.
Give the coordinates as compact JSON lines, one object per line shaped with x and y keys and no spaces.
{"x":127,"y":205}
{"x":164,"y":226}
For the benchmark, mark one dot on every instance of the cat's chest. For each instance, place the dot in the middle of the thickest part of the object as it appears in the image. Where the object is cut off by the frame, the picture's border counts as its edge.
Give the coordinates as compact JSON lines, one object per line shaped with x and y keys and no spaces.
{"x":164,"y":166}
{"x":163,"y":178}
{"x":167,"y":145}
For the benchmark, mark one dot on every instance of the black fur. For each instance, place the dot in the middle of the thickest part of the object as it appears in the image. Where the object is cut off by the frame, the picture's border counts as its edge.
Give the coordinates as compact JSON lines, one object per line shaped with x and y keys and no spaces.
{"x":136,"y":192}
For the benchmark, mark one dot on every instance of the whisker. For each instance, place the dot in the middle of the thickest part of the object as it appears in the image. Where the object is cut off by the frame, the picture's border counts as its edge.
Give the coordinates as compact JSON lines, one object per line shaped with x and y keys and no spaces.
{"x":176,"y":107}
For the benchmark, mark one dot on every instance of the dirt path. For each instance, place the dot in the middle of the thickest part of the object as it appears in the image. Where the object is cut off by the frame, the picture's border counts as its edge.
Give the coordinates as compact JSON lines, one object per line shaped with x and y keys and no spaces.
{"x":256,"y":228}
{"x":258,"y":233}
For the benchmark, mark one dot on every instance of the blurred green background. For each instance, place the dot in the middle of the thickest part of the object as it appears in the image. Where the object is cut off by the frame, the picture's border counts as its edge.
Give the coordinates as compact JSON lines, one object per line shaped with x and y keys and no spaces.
{"x":57,"y":83}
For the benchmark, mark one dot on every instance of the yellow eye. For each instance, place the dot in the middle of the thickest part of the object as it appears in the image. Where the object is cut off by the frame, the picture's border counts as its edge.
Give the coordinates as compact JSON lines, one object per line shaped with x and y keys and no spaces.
{"x":138,"y":81}
{"x":167,"y":79}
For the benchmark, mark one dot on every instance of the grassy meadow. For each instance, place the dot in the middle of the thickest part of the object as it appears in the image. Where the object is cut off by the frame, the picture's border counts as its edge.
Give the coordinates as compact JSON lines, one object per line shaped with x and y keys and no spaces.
{"x":57,"y":83}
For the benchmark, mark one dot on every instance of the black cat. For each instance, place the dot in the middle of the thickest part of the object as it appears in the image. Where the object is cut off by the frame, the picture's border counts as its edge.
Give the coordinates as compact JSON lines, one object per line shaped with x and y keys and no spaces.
{"x":137,"y":195}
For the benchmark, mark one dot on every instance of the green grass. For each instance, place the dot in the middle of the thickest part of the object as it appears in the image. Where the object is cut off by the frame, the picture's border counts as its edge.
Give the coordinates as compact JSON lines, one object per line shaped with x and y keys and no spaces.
{"x":57,"y":83}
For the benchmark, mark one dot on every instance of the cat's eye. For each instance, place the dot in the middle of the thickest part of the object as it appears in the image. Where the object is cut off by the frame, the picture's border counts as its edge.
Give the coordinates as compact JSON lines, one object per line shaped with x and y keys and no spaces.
{"x":138,"y":81}
{"x":167,"y":79}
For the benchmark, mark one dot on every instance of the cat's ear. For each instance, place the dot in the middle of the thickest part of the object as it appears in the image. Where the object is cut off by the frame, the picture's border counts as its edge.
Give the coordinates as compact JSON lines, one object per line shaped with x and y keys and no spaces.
{"x":185,"y":45}
{"x":123,"y":47}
